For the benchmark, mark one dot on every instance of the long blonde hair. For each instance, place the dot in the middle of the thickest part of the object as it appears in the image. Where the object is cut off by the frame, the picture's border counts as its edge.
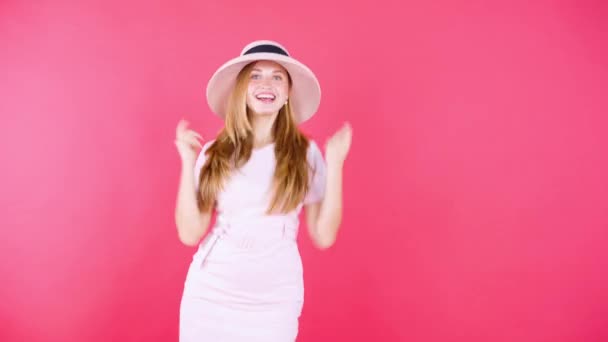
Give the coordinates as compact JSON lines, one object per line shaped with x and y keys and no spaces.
{"x":233,"y":147}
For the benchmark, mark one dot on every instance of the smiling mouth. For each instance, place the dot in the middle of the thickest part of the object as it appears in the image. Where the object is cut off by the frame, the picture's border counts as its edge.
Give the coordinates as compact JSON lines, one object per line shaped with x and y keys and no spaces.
{"x":266,"y":97}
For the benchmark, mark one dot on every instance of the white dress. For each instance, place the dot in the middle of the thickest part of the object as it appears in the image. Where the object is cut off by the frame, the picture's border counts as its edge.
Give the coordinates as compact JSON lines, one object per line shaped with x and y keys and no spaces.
{"x":245,"y":282}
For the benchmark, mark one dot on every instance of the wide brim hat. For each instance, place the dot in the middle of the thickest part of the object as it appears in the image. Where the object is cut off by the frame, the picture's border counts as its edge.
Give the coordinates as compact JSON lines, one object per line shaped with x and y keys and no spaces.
{"x":305,"y":94}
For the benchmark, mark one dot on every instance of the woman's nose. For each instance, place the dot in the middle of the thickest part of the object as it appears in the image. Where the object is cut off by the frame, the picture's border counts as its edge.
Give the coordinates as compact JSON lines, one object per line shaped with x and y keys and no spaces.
{"x":266,"y":80}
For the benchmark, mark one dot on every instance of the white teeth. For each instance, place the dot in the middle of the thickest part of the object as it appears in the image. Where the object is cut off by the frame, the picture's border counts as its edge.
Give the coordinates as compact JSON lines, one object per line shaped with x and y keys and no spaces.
{"x":265,"y":96}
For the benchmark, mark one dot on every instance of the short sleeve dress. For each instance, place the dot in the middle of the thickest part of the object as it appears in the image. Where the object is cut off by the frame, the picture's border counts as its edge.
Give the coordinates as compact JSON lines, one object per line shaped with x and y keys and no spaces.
{"x":245,"y":281}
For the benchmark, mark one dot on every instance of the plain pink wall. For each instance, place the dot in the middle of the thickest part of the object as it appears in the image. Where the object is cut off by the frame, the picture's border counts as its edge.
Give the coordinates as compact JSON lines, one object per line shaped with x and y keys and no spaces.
{"x":476,"y":188}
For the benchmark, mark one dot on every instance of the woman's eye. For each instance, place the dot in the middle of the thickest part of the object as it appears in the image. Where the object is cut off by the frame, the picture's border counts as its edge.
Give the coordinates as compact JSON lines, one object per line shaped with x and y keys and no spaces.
{"x":278,"y":78}
{"x":255,"y":77}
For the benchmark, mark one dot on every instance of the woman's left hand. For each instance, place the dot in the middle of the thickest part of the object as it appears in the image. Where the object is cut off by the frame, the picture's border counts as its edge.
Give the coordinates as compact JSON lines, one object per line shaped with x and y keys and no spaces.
{"x":338,"y":145}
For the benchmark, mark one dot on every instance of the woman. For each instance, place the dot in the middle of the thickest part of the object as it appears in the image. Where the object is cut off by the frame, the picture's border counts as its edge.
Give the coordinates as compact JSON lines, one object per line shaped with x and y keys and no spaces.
{"x":245,"y":282}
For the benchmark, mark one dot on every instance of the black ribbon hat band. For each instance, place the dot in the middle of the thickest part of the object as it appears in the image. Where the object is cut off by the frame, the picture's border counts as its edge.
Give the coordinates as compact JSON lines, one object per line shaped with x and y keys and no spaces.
{"x":266,"y":48}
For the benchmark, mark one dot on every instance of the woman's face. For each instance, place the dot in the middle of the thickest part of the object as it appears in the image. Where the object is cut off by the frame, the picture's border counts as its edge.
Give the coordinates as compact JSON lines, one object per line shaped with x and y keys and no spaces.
{"x":268,"y":88}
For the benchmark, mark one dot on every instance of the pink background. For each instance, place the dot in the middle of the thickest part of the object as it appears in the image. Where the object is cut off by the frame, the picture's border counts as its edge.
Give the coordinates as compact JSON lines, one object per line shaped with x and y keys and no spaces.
{"x":475,"y":191}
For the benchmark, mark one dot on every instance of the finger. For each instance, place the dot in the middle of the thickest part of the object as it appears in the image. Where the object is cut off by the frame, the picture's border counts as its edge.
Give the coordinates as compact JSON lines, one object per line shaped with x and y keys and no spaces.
{"x":183,"y":123}
{"x":348,"y":134}
{"x":340,"y":135}
{"x":192,"y":141}
{"x":347,"y":127}
{"x":181,"y":126}
{"x":193,"y":134}
{"x":342,"y":130}
{"x":196,"y":134}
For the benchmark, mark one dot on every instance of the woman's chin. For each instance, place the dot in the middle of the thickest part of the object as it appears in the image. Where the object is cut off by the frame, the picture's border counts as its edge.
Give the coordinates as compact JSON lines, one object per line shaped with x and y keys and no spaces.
{"x":264,"y":112}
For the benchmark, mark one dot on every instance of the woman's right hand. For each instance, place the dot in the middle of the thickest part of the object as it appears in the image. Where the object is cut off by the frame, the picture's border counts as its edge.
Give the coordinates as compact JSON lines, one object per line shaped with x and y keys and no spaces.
{"x":187,"y":142}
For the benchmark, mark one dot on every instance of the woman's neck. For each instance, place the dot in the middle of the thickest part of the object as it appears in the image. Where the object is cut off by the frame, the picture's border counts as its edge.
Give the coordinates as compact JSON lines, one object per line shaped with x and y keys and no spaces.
{"x":262,"y":130}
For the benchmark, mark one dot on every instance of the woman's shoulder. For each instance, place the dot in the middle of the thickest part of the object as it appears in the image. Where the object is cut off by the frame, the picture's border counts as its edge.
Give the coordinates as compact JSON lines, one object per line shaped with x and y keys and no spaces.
{"x":206,"y":146}
{"x":314,"y":154}
{"x":202,"y":154}
{"x":313,"y":147}
{"x":207,"y":143}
